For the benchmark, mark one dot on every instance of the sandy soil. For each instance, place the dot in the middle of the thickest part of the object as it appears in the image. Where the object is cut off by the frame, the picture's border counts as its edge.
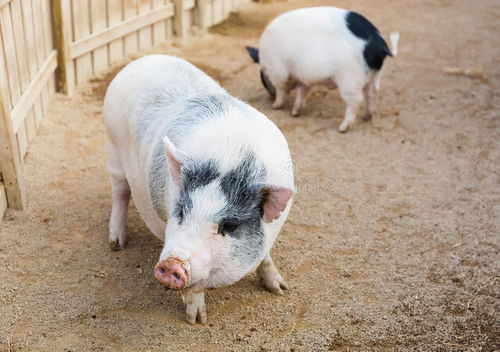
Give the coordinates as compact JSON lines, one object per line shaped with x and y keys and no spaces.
{"x":392,"y":243}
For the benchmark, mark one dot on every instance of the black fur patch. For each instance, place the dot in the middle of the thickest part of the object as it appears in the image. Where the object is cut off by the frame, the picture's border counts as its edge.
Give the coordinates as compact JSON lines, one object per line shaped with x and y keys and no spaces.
{"x":376,"y":48}
{"x":254,"y":53}
{"x":194,"y":175}
{"x":241,"y":186}
{"x":188,"y":114}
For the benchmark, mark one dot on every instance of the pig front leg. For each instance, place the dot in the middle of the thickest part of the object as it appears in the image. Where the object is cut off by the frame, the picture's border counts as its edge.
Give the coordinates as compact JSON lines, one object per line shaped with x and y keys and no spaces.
{"x":120,"y":195}
{"x":270,"y":277}
{"x":195,"y":306}
{"x":300,"y":98}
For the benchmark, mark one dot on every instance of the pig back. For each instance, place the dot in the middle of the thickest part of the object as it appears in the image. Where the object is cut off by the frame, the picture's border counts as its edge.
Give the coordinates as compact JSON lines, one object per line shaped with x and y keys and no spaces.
{"x":139,"y":104}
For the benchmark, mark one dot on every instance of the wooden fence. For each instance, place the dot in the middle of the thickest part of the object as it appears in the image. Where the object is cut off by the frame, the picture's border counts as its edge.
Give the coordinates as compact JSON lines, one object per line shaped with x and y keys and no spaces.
{"x":49,"y":45}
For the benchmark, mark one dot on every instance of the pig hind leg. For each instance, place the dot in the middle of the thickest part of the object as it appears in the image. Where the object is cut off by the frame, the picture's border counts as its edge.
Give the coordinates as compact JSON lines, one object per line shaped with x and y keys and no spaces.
{"x":120,"y":195}
{"x":271,"y":278}
{"x":300,"y":99}
{"x":370,"y":92}
{"x":279,"y":79}
{"x":353,"y":97}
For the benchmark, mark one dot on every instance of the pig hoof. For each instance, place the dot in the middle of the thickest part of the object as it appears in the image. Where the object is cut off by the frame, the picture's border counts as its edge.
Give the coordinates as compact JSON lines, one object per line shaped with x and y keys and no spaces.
{"x":367,"y":117}
{"x":115,"y":245}
{"x":277,"y":105}
{"x":343,"y":128}
{"x":295,"y":113}
{"x":194,"y":312}
{"x":275,"y":284}
{"x":195,"y":307}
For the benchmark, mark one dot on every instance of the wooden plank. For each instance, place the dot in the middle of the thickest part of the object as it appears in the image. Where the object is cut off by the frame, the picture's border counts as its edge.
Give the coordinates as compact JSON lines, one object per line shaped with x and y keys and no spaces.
{"x":51,"y":86}
{"x":41,"y":52}
{"x":159,"y":28}
{"x":188,"y":4}
{"x":129,"y":26}
{"x":228,"y":7}
{"x":217,"y":12}
{"x":3,"y":3}
{"x":39,"y":33}
{"x":130,"y":42}
{"x":29,"y":123}
{"x":22,"y":57}
{"x":3,"y":201}
{"x":204,"y":13}
{"x":22,"y":140}
{"x":145,"y":34}
{"x":114,"y":17}
{"x":170,"y":28}
{"x":39,"y":110}
{"x":10,"y":58}
{"x":29,"y":36}
{"x":48,"y":26}
{"x":98,"y":23}
{"x":10,"y":161}
{"x":81,"y":29}
{"x":179,"y":19}
{"x":29,"y":96}
{"x":63,"y":35}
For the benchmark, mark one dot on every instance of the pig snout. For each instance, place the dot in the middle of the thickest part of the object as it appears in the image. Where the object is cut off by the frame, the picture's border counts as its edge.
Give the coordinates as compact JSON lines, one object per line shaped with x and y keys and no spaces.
{"x":172,"y":273}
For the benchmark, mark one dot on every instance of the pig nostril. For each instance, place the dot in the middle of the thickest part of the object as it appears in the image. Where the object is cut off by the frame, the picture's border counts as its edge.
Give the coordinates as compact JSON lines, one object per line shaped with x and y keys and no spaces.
{"x":177,"y":276}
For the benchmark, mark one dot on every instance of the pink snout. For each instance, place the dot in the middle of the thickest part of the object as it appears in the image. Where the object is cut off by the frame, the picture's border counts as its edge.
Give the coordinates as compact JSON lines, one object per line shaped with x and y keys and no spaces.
{"x":171,"y":273}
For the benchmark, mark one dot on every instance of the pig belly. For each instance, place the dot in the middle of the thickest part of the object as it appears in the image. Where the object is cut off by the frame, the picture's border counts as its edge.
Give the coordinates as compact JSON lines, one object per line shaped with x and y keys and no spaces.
{"x":137,"y":180}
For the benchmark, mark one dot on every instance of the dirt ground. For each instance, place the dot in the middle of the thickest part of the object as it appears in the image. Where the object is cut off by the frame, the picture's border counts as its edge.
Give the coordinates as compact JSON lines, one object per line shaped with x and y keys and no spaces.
{"x":392,"y":243}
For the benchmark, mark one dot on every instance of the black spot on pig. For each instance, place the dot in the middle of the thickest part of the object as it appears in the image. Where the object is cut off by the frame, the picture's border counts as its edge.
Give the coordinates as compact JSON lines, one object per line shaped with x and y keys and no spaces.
{"x":194,"y":175}
{"x":188,"y":114}
{"x":199,"y":174}
{"x":254,"y":53}
{"x":376,"y":48}
{"x":241,"y":218}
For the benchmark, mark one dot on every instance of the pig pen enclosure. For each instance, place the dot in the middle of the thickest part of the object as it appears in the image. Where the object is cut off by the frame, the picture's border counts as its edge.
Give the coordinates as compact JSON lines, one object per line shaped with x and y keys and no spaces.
{"x":393,"y":240}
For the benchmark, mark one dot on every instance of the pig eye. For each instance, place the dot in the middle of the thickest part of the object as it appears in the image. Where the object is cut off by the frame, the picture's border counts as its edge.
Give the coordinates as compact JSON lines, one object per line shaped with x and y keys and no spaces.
{"x":228,"y":226}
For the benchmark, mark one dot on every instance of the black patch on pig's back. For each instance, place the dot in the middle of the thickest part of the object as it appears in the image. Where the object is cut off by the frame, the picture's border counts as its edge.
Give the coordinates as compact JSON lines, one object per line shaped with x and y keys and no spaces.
{"x":376,"y":48}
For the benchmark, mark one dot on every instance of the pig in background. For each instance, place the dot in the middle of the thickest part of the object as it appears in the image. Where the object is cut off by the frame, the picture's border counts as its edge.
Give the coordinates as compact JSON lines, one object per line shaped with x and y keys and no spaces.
{"x":323,"y":46}
{"x":206,"y":173}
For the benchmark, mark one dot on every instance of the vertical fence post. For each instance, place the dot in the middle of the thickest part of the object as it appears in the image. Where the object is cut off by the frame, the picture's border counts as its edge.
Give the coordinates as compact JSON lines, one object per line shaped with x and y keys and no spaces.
{"x":62,"y":31}
{"x":179,"y":19}
{"x":204,"y":13}
{"x":11,"y":165}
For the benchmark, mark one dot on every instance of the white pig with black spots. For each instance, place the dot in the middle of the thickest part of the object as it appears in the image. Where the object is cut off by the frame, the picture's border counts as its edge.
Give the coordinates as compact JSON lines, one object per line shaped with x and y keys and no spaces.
{"x":208,"y":174}
{"x":323,"y":46}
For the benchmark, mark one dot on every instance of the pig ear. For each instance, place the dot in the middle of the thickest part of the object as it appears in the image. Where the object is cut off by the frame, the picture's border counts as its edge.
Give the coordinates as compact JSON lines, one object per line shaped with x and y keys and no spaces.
{"x":174,"y":163}
{"x":274,"y":201}
{"x":254,"y":53}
